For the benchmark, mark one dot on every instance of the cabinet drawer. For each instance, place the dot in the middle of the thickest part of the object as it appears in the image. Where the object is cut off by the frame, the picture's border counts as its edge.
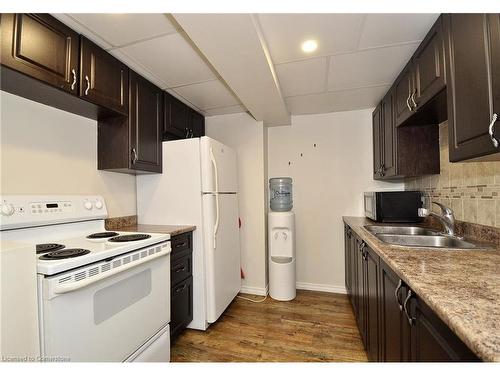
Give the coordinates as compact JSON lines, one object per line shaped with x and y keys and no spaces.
{"x":181,"y":306}
{"x":181,"y":269}
{"x":181,"y":245}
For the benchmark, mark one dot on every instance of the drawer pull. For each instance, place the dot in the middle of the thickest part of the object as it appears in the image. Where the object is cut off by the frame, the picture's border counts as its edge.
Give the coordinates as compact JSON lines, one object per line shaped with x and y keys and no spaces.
{"x":181,"y":288}
{"x":182,"y":244}
{"x":491,"y":130}
{"x":88,"y":85}
{"x":180,"y":269}
{"x":396,"y":294}
{"x":411,"y":320}
{"x":73,"y":84}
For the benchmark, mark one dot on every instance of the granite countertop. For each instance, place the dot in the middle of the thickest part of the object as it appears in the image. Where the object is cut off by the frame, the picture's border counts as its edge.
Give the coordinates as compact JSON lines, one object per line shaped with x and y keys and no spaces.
{"x":173,"y":230}
{"x":461,"y":286}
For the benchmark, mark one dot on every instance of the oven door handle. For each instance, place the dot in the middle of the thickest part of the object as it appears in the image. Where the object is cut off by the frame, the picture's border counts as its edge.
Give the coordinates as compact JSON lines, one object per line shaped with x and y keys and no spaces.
{"x":71,"y":287}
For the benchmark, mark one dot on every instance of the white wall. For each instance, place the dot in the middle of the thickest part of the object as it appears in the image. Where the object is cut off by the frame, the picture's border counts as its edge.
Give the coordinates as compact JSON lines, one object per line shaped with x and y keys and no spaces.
{"x":48,"y":151}
{"x":328,"y":182}
{"x":245,"y":135}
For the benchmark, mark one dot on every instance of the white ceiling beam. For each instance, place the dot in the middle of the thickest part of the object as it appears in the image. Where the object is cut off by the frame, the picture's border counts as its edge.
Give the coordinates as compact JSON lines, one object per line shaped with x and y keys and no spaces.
{"x":234,"y":46}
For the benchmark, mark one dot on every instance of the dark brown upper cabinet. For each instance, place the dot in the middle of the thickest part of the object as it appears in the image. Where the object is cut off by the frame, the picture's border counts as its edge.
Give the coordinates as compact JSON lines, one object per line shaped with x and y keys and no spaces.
{"x":472,"y":44}
{"x":133,"y":144}
{"x":103,"y":78}
{"x":402,"y":92}
{"x":377,"y":141}
{"x":41,"y":47}
{"x":428,"y":67}
{"x":402,"y":151}
{"x":384,"y":165}
{"x":181,"y":121}
{"x":176,"y":117}
{"x":197,"y":124}
{"x":146,"y":124}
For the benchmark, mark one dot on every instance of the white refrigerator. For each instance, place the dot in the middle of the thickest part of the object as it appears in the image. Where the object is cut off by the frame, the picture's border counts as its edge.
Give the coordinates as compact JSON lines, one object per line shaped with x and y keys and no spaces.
{"x":199,"y":186}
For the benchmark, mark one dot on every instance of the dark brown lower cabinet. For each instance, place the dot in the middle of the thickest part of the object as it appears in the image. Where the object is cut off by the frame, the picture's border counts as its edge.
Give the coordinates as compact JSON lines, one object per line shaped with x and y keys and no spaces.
{"x":430,"y":339}
{"x":371,"y":302}
{"x":181,"y":281}
{"x":394,"y":323}
{"x":393,"y":328}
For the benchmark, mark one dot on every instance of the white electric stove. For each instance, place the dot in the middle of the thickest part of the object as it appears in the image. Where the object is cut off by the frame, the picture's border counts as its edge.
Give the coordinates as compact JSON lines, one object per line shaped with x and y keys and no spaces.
{"x":100,"y":295}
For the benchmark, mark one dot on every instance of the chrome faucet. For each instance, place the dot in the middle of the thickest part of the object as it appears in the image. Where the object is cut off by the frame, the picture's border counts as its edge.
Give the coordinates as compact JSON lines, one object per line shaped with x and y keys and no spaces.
{"x":447,"y":220}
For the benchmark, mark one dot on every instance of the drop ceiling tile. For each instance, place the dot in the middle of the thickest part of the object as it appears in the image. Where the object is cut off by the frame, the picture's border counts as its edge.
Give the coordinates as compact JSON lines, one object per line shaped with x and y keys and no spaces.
{"x":225,"y":110}
{"x":132,"y":64}
{"x":335,"y":33}
{"x":302,"y":77}
{"x":336,"y":101}
{"x":368,"y":68}
{"x":385,"y":29}
{"x":210,"y":94}
{"x":171,"y":58}
{"x":119,"y":29}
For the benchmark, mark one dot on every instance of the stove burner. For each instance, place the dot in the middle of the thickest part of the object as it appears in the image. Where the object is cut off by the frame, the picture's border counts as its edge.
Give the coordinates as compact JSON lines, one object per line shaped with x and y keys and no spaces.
{"x":48,"y":247}
{"x":63,"y":254}
{"x":130,"y":237}
{"x":102,"y":235}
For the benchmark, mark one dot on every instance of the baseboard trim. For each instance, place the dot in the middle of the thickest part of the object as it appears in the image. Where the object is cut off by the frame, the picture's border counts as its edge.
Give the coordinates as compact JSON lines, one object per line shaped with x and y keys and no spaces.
{"x":254,"y":290}
{"x":321,"y":287}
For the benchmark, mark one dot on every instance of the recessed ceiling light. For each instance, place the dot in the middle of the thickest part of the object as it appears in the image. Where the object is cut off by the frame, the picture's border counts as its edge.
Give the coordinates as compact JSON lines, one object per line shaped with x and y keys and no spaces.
{"x":309,"y":46}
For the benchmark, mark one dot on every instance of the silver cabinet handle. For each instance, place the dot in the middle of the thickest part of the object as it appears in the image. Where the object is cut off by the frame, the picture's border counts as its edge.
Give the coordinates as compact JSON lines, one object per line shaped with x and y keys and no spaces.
{"x":491,"y":130}
{"x":396,"y":294}
{"x":408,"y":102}
{"x":192,"y":133}
{"x":73,"y":84}
{"x":187,"y":133}
{"x":412,"y":97}
{"x":88,"y":85}
{"x":411,"y":320}
{"x":134,"y":156}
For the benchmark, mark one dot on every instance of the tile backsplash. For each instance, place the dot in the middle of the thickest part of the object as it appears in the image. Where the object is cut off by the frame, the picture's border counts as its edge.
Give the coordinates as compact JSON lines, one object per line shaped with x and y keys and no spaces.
{"x":472,"y":189}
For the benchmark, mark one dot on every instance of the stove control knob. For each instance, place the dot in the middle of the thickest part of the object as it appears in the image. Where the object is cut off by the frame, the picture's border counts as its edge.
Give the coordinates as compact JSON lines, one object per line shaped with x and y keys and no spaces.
{"x":87,"y":205}
{"x":7,"y":209}
{"x":98,"y":204}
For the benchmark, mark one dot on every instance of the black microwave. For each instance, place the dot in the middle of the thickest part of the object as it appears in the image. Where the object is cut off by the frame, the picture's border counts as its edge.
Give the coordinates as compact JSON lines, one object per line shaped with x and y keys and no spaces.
{"x":393,"y":206}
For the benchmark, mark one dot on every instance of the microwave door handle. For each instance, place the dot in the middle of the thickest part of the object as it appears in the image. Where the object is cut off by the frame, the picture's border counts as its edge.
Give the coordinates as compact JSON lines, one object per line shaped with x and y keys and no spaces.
{"x":71,"y":287}
{"x":216,"y":225}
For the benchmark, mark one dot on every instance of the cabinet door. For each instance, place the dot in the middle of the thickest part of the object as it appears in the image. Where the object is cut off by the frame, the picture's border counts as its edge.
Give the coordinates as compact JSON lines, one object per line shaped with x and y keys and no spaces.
{"x":360,"y":293}
{"x":393,"y":337}
{"x":181,"y":306}
{"x":197,"y":124}
{"x":428,"y":62}
{"x":347,"y":260}
{"x":103,"y":78}
{"x":176,"y":118}
{"x":402,"y":90}
{"x":389,"y":137}
{"x":432,"y":340}
{"x":377,"y":142}
{"x":371,"y":294}
{"x":353,"y":272}
{"x":41,"y":47}
{"x":473,"y":82}
{"x":146,"y":123}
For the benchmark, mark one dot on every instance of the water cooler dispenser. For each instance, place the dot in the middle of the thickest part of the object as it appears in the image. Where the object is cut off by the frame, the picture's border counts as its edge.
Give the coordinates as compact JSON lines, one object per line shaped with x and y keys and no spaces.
{"x":281,"y":237}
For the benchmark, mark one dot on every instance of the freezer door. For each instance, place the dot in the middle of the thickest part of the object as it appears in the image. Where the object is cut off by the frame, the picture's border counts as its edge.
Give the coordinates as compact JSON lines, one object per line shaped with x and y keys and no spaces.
{"x":222,"y":252}
{"x":218,"y":167}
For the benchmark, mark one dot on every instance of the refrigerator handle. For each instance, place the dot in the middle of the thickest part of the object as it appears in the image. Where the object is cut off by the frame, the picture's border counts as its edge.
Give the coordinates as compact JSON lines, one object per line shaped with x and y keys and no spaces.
{"x":216,"y":192}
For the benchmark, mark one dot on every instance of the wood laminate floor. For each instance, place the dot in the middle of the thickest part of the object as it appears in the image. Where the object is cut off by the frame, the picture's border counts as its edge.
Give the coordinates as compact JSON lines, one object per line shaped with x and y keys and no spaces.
{"x":316,"y":326}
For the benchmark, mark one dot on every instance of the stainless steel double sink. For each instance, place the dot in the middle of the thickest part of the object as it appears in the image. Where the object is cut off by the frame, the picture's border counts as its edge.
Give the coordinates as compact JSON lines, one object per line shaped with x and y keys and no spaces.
{"x":413,"y":236}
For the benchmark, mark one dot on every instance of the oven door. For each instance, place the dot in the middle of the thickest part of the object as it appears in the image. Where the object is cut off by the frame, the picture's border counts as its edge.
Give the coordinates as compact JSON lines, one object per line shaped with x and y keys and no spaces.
{"x":370,"y":204}
{"x":109,"y":315}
